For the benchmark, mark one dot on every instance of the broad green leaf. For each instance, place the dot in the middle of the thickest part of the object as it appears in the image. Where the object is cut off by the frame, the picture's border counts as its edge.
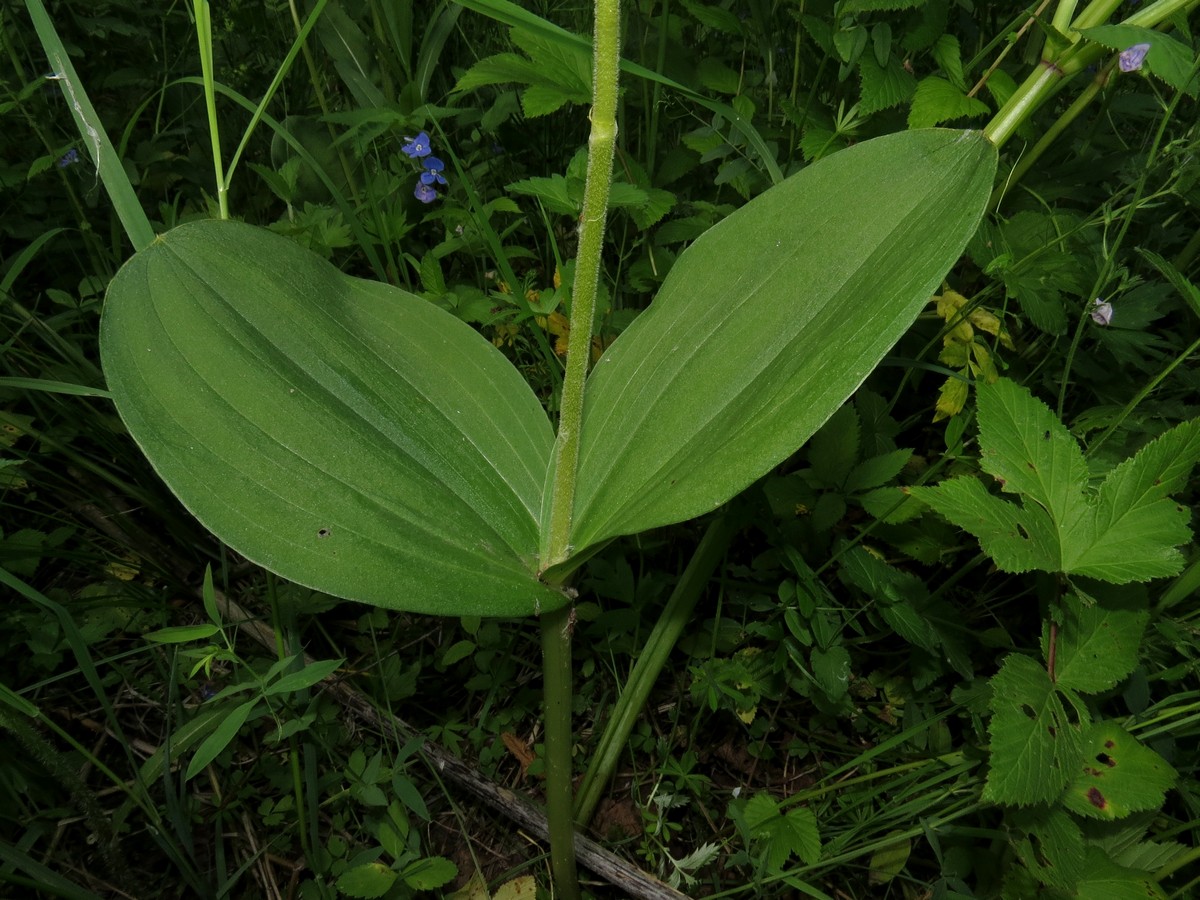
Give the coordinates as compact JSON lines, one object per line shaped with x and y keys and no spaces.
{"x":1098,"y":644}
{"x":1118,"y":776}
{"x":343,"y":433}
{"x":1035,"y":744}
{"x":222,"y":737}
{"x":767,"y":323}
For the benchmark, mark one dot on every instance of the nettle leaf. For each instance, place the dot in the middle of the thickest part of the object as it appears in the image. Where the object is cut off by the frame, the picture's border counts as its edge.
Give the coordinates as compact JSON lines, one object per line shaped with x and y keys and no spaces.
{"x":1105,"y":878}
{"x":1050,"y":846}
{"x":936,"y":100}
{"x":767,"y":323}
{"x":347,"y":435}
{"x":1035,"y":739}
{"x":1118,"y":776}
{"x":1168,"y":58}
{"x":1098,"y":643}
{"x":1126,"y":531}
{"x":776,"y":835}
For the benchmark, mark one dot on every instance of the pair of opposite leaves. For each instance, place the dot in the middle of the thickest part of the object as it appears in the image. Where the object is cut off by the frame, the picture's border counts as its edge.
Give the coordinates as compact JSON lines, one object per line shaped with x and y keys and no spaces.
{"x":359,"y":440}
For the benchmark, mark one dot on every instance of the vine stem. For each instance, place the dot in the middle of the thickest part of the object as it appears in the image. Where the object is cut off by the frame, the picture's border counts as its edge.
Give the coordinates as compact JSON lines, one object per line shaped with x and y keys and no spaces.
{"x":556,"y":626}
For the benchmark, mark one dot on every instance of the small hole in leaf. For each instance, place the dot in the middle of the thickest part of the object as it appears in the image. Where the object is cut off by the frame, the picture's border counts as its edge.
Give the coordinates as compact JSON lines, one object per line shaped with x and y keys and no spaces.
{"x":323,"y":532}
{"x":1028,"y":710}
{"x":1106,"y":760}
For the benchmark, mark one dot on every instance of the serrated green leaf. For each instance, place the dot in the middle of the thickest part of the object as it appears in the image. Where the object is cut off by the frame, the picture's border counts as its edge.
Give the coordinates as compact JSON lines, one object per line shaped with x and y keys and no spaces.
{"x":1128,"y":531}
{"x":1017,"y":539}
{"x":1035,"y":746}
{"x":936,"y":100}
{"x":883,"y":86}
{"x":367,"y":881}
{"x":1029,"y":451}
{"x":354,"y":438}
{"x":1103,"y":879}
{"x":831,"y":669}
{"x":1136,"y":527}
{"x":751,"y":345}
{"x":1118,"y":776}
{"x":1098,"y":644}
{"x":878,"y":470}
{"x":429,"y":873}
{"x":1050,"y":846}
{"x":949,"y":57}
{"x":556,"y":193}
{"x":1168,"y":58}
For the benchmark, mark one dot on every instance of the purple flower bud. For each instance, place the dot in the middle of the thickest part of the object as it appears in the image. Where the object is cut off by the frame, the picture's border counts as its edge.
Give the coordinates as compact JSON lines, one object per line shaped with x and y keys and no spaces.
{"x":1102,"y":311}
{"x":68,"y":159}
{"x":416,"y":147}
{"x":425,"y":193}
{"x":1131,"y":60}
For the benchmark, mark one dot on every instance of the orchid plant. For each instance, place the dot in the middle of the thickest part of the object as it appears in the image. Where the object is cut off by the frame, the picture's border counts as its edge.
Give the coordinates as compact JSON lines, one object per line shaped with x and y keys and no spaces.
{"x":356,"y":439}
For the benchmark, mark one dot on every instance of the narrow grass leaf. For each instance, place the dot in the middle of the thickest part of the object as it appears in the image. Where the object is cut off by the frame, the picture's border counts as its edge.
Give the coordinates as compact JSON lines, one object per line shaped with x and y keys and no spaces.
{"x":221,"y":738}
{"x":305,"y":678}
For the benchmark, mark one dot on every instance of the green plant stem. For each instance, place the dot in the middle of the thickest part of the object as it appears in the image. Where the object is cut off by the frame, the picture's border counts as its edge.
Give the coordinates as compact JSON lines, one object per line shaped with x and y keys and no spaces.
{"x":670,"y":625}
{"x":556,"y":718}
{"x":1028,"y":159}
{"x":204,"y":39}
{"x":557,"y":625}
{"x":601,"y":145}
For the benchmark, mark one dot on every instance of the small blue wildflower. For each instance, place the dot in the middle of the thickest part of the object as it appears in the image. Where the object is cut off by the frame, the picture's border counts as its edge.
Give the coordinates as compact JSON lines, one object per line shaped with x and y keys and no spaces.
{"x":1131,"y":60}
{"x":68,"y":159}
{"x":416,"y":147}
{"x":433,"y":171}
{"x":1102,"y":311}
{"x":425,"y":193}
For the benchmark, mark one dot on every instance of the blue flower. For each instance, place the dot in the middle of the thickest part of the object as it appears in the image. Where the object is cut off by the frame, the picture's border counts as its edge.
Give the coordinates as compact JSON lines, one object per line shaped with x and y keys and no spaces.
{"x":425,"y":193}
{"x":1131,"y":60}
{"x":433,"y":171}
{"x":68,"y":159}
{"x":416,"y":147}
{"x":1102,"y":311}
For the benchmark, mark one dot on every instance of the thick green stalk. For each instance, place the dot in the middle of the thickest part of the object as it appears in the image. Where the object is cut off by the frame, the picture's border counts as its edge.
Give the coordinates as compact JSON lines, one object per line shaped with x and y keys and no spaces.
{"x":1028,"y":159}
{"x":670,"y":625}
{"x":556,"y":719}
{"x":601,"y":144}
{"x":557,"y":626}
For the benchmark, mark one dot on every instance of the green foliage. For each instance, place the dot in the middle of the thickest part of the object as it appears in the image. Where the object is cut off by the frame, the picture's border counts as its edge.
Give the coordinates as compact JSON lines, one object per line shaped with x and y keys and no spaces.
{"x":834,"y":666}
{"x":1125,"y":530}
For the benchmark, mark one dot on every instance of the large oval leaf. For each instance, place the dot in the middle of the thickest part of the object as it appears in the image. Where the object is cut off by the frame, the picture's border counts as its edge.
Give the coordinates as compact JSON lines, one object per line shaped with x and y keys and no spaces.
{"x":345,"y":434}
{"x":767,"y":323}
